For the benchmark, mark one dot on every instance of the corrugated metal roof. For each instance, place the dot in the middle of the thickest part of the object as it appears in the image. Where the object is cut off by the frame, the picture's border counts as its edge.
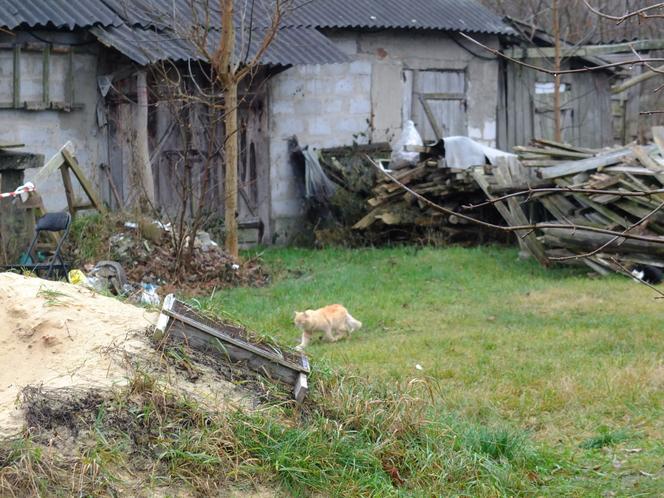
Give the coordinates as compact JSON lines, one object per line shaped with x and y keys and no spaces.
{"x":447,"y":15}
{"x":69,"y":14}
{"x":296,"y":45}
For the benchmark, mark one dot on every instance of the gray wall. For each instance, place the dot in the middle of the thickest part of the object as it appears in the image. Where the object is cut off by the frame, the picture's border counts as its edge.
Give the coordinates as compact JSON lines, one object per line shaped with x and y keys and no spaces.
{"x":44,"y":132}
{"x":587,"y":119}
{"x":334,"y":105}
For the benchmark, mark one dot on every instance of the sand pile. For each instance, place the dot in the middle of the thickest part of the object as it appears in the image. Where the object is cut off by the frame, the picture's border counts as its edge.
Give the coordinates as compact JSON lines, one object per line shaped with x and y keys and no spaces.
{"x":60,"y":335}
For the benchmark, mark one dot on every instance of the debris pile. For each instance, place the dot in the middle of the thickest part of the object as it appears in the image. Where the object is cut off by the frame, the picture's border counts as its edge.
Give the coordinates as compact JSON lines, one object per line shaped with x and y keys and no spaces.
{"x":382,"y":211}
{"x":618,"y":189}
{"x":146,"y":251}
{"x":602,"y":208}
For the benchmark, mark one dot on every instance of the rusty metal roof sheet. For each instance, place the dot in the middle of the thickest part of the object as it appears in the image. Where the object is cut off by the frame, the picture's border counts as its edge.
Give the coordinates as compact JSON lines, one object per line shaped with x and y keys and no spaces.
{"x":69,"y":14}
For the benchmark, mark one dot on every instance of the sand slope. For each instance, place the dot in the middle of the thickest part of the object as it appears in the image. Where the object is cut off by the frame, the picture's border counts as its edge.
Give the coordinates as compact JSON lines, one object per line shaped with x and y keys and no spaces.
{"x":55,"y":334}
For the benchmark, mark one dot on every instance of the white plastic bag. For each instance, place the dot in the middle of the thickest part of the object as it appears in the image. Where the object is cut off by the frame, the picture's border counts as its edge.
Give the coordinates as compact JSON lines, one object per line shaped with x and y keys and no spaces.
{"x":409,"y":136}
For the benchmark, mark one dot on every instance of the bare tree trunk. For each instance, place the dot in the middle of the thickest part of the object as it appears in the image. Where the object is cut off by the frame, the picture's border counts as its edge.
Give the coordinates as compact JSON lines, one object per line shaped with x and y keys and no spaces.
{"x":144,"y":176}
{"x":231,"y":160}
{"x":556,"y":77}
{"x":227,"y":75}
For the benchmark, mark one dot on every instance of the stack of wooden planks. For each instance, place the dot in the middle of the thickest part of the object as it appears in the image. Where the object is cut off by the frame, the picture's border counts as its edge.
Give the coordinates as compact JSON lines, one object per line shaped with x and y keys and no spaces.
{"x":619,"y":189}
{"x":387,"y":212}
{"x":391,"y":205}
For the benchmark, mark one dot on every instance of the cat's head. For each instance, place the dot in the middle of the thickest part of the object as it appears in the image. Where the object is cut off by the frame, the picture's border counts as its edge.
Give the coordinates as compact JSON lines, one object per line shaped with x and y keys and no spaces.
{"x":300,"y":318}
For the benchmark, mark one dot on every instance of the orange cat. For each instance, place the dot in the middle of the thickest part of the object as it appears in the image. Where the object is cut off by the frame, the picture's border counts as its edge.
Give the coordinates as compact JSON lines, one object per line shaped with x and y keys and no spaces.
{"x":330,"y":320}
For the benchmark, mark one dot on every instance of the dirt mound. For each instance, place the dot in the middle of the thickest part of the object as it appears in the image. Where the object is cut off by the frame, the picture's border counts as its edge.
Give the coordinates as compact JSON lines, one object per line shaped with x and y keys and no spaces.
{"x":60,"y":335}
{"x":56,"y":336}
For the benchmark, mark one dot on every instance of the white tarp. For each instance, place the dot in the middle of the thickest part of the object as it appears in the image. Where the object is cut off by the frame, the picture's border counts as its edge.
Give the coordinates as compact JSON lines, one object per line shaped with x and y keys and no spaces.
{"x":464,"y":152}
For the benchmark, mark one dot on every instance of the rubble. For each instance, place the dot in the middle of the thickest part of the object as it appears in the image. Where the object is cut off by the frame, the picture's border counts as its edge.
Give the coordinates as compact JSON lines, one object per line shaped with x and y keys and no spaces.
{"x":145,"y":251}
{"x":601,"y":189}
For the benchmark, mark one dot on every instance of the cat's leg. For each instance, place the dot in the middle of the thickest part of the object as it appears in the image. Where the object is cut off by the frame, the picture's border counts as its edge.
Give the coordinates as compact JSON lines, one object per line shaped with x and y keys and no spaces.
{"x":306,"y":338}
{"x":329,"y":335}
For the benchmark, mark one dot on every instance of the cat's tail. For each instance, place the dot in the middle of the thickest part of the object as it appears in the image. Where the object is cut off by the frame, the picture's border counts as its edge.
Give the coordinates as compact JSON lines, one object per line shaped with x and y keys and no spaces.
{"x":352,"y":324}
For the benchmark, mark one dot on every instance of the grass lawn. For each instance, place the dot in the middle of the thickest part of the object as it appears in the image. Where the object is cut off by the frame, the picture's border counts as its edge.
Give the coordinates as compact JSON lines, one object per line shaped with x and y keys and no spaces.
{"x":574,"y":364}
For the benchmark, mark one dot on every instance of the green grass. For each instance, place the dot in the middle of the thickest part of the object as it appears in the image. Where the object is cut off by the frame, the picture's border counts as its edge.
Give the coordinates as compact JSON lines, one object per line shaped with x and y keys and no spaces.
{"x":525,"y":356}
{"x":535,"y":383}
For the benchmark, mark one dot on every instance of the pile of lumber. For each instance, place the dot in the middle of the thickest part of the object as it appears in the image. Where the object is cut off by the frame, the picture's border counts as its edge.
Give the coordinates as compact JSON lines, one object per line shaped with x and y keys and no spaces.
{"x":388,"y":209}
{"x":602,"y":208}
{"x":619,"y":189}
{"x":391,"y":205}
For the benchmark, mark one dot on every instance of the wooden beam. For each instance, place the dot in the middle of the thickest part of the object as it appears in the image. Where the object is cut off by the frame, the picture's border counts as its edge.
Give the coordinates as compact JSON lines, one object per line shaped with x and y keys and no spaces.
{"x":629,"y":83}
{"x":91,"y":192}
{"x":432,"y":119}
{"x":69,"y":190}
{"x":573,"y":167}
{"x":17,"y":77}
{"x":46,"y":69}
{"x":584,"y":50}
{"x":52,"y":164}
{"x":301,"y":388}
{"x":69,"y":99}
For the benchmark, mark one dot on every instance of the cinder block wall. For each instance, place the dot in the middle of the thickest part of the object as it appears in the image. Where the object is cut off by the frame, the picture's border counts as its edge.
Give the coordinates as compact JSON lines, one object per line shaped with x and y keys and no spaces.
{"x":44,"y":132}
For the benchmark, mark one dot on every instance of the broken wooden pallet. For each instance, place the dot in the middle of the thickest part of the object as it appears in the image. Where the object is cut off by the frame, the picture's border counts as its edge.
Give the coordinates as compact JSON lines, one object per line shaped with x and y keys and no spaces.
{"x":184,"y":323}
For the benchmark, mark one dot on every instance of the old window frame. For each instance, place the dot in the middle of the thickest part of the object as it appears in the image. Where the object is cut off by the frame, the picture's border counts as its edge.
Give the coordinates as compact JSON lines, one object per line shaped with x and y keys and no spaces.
{"x":45,"y":103}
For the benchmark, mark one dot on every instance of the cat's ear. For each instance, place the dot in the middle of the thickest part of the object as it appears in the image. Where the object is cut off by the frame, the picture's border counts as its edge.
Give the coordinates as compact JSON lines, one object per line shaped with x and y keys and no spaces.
{"x":306,"y":313}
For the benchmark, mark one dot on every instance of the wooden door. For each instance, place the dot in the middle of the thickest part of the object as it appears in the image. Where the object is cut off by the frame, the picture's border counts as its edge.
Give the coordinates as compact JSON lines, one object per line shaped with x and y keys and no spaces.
{"x":253,"y":171}
{"x":437,"y":101}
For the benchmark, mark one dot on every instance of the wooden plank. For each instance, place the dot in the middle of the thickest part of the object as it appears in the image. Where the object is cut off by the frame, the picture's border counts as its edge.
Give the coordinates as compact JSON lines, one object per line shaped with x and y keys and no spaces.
{"x":603,"y":210}
{"x":236,"y":342}
{"x":72,"y":163}
{"x":580,"y":239}
{"x":629,"y":83}
{"x":230,"y":352}
{"x":573,"y":167}
{"x":552,"y":152}
{"x":432,"y":119}
{"x":52,"y":165}
{"x":514,"y":216}
{"x":301,"y":388}
{"x":585,"y":50}
{"x":203,"y":336}
{"x":69,"y":191}
{"x":645,"y":159}
{"x":658,"y":137}
{"x":70,"y":79}
{"x":46,"y":68}
{"x":443,"y":96}
{"x":565,"y":146}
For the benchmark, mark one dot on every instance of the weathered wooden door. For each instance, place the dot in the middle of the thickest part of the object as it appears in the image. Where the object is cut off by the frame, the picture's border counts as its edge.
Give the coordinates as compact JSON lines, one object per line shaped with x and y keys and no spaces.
{"x":436,"y":102}
{"x":254,"y":171}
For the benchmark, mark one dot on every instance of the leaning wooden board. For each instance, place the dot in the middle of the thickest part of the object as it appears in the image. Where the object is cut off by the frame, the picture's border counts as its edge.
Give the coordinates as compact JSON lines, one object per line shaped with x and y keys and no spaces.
{"x":183,"y":322}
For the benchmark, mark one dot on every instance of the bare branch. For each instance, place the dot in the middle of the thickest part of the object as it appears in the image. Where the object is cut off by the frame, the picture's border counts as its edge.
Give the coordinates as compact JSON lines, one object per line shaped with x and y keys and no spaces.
{"x":530,"y":192}
{"x":636,"y":13}
{"x":584,"y":69}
